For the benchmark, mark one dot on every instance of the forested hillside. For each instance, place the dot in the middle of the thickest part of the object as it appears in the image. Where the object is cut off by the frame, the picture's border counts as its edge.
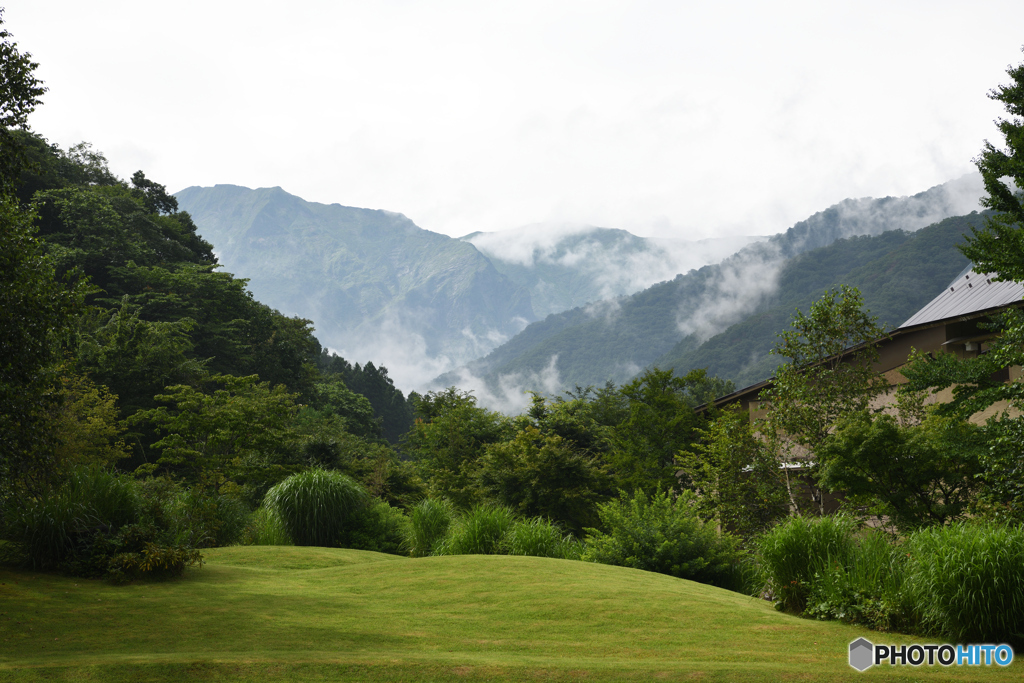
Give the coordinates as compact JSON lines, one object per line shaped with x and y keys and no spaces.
{"x":375,"y":284}
{"x":897,"y":272}
{"x":613,"y":340}
{"x":563,"y":267}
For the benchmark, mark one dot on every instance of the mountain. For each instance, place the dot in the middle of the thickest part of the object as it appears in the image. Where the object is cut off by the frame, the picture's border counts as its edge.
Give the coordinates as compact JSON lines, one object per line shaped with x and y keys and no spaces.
{"x":375,"y":284}
{"x":616,"y":338}
{"x":897,"y":273}
{"x":564,"y":266}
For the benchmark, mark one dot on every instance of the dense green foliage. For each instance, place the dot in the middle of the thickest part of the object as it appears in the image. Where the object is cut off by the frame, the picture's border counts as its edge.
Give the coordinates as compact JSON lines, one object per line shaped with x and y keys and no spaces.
{"x":967,"y":581}
{"x":100,"y":524}
{"x":911,"y":475}
{"x":963,"y":581}
{"x":480,"y":530}
{"x":317,"y":506}
{"x":665,"y":535}
{"x":737,"y":474}
{"x":791,"y":552}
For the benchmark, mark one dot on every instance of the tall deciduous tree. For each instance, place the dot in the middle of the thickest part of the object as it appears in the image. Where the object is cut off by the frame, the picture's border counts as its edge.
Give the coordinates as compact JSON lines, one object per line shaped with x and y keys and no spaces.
{"x":829,"y":375}
{"x":659,"y":424}
{"x":37,"y":310}
{"x":20,"y":91}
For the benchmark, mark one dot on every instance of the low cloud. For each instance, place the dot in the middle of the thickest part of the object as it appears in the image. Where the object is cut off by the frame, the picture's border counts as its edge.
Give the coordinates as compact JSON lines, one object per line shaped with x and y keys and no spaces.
{"x":742,"y":282}
{"x":509,"y":393}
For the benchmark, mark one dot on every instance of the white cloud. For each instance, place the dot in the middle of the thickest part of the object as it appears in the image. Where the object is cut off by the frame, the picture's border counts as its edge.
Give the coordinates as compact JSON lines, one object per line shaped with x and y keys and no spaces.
{"x":663,"y":118}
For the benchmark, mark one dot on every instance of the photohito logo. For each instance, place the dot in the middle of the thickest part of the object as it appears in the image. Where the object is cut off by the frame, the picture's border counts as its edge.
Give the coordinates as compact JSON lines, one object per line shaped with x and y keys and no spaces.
{"x":865,"y":654}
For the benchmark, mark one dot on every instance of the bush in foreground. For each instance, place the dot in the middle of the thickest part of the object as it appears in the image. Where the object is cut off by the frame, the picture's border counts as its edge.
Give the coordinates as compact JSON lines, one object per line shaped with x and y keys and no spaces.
{"x":667,"y":536}
{"x":429,"y":521}
{"x":868,"y":588}
{"x":97,"y":523}
{"x":317,"y":506}
{"x":967,"y":581}
{"x":540,"y":537}
{"x":377,"y":527}
{"x":791,"y":553}
{"x":265,"y":528}
{"x":478,"y":532}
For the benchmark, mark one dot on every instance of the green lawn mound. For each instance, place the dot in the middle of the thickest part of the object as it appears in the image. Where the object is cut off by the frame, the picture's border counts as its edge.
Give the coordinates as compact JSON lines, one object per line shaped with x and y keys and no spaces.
{"x":282,"y":613}
{"x":278,"y":557}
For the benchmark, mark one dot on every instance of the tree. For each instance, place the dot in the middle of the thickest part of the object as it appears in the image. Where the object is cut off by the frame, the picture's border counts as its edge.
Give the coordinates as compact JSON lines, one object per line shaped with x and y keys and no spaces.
{"x":37,"y":317}
{"x":541,"y":475}
{"x":999,"y":248}
{"x":736,"y":475}
{"x":660,"y":423}
{"x":231,"y":431}
{"x":20,"y":91}
{"x":448,"y":440}
{"x":37,"y":309}
{"x":914,"y":476}
{"x":978,"y":383}
{"x":829,"y":375}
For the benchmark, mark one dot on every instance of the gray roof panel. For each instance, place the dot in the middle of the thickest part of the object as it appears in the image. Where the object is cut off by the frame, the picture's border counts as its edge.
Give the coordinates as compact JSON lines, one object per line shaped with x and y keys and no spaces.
{"x":970,"y":293}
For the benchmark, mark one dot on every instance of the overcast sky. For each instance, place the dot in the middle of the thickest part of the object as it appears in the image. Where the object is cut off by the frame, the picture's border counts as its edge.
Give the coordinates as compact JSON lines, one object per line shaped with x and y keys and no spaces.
{"x":681,"y":119}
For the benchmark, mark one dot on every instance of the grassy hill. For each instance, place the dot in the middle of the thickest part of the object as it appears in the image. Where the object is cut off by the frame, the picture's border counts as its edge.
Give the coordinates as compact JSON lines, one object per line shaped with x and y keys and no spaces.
{"x":284,"y":613}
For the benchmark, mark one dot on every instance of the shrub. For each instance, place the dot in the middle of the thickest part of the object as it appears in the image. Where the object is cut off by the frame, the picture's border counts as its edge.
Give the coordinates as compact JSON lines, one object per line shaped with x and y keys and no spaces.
{"x":539,"y":537}
{"x":153,"y":560}
{"x":207,"y":521}
{"x":868,"y":589}
{"x":317,"y":506}
{"x":378,"y":527}
{"x":663,"y":535}
{"x":52,"y":529}
{"x":428,"y":525}
{"x":101,"y":524}
{"x":478,"y":532}
{"x":967,"y":581}
{"x":265,"y":528}
{"x":792,"y":552}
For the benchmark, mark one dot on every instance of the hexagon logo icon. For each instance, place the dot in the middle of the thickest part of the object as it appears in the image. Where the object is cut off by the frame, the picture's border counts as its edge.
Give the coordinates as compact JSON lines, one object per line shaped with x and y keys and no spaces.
{"x":861,"y":654}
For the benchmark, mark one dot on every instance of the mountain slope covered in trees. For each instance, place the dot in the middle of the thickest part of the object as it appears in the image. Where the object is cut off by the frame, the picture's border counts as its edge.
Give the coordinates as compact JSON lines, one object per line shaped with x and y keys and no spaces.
{"x":568,"y":266}
{"x":371,"y":280}
{"x":897,"y":273}
{"x":614,"y":339}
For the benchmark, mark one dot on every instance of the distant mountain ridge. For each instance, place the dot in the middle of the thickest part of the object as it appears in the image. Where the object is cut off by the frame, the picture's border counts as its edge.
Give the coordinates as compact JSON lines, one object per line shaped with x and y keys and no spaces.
{"x":614,"y":339}
{"x":370,"y":280}
{"x":564,"y":266}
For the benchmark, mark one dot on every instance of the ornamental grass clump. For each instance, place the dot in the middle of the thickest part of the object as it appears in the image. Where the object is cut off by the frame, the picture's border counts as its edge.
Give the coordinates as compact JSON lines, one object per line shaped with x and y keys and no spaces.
{"x":540,"y":537}
{"x":429,"y":522}
{"x":793,"y":552}
{"x":317,"y":506}
{"x":967,"y":581}
{"x":866,"y":589}
{"x":265,"y":528}
{"x":478,"y":532}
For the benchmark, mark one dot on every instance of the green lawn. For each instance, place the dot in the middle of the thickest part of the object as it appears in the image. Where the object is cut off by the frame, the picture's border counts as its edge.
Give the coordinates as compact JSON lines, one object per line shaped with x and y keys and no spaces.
{"x":308,"y":614}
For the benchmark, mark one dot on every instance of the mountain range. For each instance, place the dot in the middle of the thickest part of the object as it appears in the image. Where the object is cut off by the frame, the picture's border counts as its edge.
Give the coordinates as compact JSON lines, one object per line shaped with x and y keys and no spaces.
{"x":548,"y":305}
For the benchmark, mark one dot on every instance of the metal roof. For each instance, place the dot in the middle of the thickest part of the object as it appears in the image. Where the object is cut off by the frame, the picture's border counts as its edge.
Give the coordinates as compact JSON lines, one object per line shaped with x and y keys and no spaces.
{"x":969,"y":293}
